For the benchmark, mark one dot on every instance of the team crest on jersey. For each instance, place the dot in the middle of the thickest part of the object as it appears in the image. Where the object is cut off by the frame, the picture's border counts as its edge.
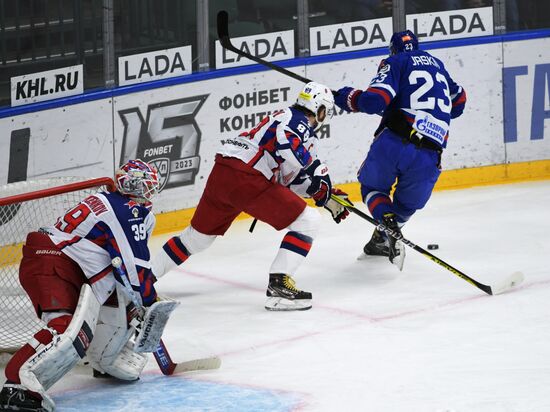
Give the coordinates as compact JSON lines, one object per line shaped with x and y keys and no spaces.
{"x":168,"y":137}
{"x":135,"y":212}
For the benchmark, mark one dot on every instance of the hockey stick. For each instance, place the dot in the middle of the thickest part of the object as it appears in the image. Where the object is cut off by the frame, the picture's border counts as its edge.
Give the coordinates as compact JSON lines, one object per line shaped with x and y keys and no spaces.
{"x":253,"y":225}
{"x":168,"y":367}
{"x":164,"y":361}
{"x":223,"y":35}
{"x":506,"y":284}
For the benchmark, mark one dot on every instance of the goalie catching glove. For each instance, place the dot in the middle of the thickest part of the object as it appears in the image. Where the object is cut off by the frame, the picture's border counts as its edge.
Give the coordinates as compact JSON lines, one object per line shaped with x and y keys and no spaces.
{"x":320,"y":186}
{"x":338,"y":211}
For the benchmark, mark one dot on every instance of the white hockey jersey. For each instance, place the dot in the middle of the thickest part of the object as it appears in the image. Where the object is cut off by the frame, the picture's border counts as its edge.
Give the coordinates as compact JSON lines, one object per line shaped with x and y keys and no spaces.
{"x":280,"y":146}
{"x":101,"y":227}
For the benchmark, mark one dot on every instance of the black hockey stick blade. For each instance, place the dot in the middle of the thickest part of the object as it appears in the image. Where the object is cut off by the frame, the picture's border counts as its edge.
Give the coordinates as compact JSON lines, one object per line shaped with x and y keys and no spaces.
{"x":503,"y":286}
{"x":223,"y":35}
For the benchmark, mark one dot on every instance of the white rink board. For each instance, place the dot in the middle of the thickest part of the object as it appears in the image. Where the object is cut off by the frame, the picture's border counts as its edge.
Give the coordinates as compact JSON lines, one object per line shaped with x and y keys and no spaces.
{"x":208,"y":120}
{"x":74,"y":140}
{"x":77,"y":140}
{"x":531,"y":57}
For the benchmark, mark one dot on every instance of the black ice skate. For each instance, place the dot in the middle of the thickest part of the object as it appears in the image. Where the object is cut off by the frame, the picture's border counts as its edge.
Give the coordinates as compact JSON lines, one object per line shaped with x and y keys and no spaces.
{"x":282,"y":294}
{"x":18,"y":398}
{"x":377,"y":245}
{"x":396,"y":249}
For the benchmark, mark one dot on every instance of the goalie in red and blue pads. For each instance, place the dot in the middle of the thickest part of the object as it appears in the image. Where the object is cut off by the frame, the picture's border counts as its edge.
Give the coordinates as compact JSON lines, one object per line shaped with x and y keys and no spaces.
{"x":68,"y":275}
{"x":417,"y":98}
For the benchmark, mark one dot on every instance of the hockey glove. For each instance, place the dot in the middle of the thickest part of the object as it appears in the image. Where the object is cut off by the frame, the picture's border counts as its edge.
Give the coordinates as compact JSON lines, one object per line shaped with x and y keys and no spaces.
{"x":147,"y":290}
{"x":338,"y":211}
{"x":346,"y":99}
{"x":320,"y":186}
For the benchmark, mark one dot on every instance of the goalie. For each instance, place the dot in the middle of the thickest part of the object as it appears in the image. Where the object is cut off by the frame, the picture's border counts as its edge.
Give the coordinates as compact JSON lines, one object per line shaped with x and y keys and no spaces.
{"x":66,"y":271}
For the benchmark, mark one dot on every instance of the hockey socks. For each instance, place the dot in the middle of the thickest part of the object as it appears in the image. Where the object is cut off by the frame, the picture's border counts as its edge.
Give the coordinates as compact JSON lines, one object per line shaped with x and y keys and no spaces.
{"x":172,"y":254}
{"x":294,"y":248}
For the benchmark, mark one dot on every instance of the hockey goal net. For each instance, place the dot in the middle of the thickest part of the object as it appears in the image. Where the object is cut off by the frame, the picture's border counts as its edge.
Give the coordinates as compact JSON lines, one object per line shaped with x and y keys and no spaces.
{"x":25,"y":207}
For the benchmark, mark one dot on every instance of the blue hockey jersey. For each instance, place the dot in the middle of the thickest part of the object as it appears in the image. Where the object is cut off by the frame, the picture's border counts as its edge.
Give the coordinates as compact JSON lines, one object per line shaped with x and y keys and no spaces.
{"x":416,"y":85}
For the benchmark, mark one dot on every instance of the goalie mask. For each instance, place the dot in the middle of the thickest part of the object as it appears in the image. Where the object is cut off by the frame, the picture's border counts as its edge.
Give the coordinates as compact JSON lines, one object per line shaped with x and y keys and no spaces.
{"x":318,"y":100}
{"x":137,"y":180}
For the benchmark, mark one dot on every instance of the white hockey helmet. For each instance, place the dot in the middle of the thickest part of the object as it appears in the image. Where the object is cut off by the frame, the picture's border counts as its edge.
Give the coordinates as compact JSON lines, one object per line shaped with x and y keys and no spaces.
{"x":315,"y":97}
{"x":138,"y":180}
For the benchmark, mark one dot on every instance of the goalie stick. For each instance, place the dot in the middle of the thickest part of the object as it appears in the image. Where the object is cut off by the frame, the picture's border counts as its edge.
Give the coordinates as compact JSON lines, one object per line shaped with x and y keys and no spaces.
{"x":164,"y":361}
{"x":500,"y":287}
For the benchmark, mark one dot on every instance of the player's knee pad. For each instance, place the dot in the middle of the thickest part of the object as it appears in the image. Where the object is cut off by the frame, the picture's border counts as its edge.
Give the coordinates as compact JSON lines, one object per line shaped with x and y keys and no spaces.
{"x":307,"y":223}
{"x":196,"y":241}
{"x":110,"y":350}
{"x":52,"y":361}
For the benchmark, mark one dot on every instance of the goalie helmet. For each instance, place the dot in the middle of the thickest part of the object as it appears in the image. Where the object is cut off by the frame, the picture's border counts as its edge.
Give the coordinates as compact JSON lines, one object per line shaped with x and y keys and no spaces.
{"x":137,"y":180}
{"x":403,"y":41}
{"x":315,"y":97}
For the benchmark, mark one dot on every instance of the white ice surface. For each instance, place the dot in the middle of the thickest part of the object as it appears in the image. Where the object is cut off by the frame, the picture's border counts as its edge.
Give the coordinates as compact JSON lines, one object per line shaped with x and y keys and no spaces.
{"x":376,"y":339}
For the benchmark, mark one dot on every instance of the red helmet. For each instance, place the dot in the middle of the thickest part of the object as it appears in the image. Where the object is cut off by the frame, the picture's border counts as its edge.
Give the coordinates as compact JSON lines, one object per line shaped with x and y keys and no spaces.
{"x":137,"y":180}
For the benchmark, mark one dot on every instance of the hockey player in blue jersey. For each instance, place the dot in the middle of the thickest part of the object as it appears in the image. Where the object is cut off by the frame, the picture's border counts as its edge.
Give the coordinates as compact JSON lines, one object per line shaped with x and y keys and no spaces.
{"x":417,"y":98}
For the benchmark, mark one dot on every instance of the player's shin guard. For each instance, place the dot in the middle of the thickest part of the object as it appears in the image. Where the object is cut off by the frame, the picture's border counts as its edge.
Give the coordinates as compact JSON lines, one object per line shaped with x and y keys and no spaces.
{"x":55,"y":359}
{"x":178,"y":249}
{"x":282,"y":293}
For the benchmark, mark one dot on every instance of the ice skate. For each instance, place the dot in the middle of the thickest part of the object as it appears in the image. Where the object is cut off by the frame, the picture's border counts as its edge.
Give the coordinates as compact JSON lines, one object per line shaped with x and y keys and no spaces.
{"x":396,"y":249}
{"x":282,"y":294}
{"x":377,"y":246}
{"x":17,"y":398}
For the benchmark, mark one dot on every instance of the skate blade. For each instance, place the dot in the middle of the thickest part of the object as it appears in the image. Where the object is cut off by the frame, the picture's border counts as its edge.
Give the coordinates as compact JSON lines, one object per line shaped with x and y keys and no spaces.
{"x":276,"y":304}
{"x":364,"y":256}
{"x":399,"y":260}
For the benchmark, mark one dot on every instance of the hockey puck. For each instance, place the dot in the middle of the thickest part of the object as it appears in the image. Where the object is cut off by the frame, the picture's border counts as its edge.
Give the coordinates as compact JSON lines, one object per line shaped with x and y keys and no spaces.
{"x":433,"y":246}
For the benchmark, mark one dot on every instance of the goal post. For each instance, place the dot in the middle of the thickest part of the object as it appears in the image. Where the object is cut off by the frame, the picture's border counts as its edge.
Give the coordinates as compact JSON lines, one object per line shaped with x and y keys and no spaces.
{"x":25,"y":207}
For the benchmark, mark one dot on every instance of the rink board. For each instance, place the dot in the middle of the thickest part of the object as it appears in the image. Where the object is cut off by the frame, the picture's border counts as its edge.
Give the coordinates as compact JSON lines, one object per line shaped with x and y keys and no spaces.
{"x":179,"y":127}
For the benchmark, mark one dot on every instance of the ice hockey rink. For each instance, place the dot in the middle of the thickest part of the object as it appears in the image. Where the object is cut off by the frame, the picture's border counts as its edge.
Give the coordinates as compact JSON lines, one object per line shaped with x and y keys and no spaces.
{"x":376,"y":339}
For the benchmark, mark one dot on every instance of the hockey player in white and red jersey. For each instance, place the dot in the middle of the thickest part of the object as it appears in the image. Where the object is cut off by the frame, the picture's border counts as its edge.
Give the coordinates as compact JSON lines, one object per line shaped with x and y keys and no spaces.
{"x":261,"y":172}
{"x":66,"y":271}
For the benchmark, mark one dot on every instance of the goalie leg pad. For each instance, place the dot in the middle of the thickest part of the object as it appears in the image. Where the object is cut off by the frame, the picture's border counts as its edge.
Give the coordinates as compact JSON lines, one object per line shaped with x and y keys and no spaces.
{"x":153,"y":325}
{"x":128,"y":365}
{"x":110,"y":351}
{"x":55,"y":359}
